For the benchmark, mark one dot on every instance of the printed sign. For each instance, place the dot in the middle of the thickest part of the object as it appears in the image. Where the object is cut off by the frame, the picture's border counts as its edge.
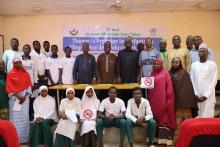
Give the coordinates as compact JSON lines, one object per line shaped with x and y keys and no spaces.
{"x":147,"y":82}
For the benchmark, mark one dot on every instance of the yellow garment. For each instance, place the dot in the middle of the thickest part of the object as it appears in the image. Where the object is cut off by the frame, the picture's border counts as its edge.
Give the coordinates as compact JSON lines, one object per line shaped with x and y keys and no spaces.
{"x":184,"y":56}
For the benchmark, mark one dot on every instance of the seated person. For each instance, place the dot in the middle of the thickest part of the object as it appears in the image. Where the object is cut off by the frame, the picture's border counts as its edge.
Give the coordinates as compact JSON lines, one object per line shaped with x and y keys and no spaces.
{"x":44,"y":116}
{"x":66,"y":128}
{"x":114,"y":113}
{"x":88,"y":131}
{"x":139,"y":113}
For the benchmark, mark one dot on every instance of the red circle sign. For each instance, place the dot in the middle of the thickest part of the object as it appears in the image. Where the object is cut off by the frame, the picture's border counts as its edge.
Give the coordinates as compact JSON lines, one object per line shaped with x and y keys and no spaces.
{"x":88,"y":113}
{"x":148,"y":82}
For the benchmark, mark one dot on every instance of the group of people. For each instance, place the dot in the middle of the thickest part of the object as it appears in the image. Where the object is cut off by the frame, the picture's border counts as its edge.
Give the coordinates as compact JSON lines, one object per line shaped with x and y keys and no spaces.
{"x":184,"y":83}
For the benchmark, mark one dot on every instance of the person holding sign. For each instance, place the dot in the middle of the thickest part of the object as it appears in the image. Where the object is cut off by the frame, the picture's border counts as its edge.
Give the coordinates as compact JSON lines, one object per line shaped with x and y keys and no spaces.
{"x":89,"y":108}
{"x":18,"y":87}
{"x":139,"y":113}
{"x":114,"y":109}
{"x":44,"y":117}
{"x":69,"y":113}
{"x":162,"y":102}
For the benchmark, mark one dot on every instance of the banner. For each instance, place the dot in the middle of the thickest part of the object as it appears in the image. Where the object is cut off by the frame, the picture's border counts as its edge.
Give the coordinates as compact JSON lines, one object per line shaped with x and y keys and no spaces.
{"x":96,"y":36}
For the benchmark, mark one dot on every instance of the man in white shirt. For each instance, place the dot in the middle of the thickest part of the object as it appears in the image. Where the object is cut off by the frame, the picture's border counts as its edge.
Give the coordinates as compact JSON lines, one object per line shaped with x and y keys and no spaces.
{"x":139,"y":113}
{"x":66,"y":67}
{"x":204,"y":79}
{"x":39,"y":61}
{"x":111,"y":114}
{"x":46,"y":51}
{"x":52,"y":67}
{"x":10,"y":55}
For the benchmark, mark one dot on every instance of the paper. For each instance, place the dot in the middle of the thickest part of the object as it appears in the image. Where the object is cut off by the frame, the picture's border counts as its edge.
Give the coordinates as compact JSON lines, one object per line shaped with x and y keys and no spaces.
{"x":88,"y":114}
{"x":147,"y":82}
{"x":17,"y":106}
{"x":71,"y":115}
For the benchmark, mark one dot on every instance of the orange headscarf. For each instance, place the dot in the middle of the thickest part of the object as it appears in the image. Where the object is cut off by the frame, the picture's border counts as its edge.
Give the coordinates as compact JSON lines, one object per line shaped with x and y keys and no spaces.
{"x":17,"y":79}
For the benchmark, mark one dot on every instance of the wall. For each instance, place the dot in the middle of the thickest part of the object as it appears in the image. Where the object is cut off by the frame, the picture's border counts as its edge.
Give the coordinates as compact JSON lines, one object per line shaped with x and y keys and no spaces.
{"x":49,"y":27}
{"x":1,"y":33}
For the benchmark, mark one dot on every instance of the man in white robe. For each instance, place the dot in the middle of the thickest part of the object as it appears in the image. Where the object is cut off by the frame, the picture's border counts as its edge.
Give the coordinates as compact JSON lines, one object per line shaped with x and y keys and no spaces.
{"x":204,"y":79}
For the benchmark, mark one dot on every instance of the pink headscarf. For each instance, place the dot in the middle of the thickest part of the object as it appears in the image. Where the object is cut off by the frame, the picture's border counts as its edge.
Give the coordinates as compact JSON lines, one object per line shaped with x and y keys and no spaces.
{"x":161,"y":98}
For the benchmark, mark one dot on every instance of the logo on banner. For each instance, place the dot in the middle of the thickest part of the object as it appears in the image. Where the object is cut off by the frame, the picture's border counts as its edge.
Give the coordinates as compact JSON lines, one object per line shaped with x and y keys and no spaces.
{"x":88,"y":114}
{"x":73,"y":32}
{"x":147,"y":82}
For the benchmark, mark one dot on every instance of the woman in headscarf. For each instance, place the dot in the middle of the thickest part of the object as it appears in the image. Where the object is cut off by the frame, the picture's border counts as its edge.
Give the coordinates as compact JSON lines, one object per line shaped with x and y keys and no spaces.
{"x":183,"y":89}
{"x":89,"y":101}
{"x":66,"y":128}
{"x":44,"y":117}
{"x":18,"y":87}
{"x":3,"y":95}
{"x":162,"y":103}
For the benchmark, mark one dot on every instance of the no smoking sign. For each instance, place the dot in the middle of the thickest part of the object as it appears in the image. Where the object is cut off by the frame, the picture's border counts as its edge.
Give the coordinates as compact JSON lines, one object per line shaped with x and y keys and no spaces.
{"x":147,"y":82}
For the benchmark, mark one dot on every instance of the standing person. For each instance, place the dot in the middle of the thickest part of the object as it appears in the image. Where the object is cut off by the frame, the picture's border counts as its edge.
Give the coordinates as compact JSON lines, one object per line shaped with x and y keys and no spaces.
{"x":66,"y":65}
{"x":44,"y":117}
{"x":27,"y":62}
{"x":127,"y":61}
{"x":18,"y":87}
{"x":88,"y":132}
{"x":107,"y":65}
{"x":11,"y":54}
{"x":28,"y":65}
{"x":185,"y":99}
{"x":84,"y":71}
{"x":189,"y":42}
{"x":163,"y":50}
{"x":140,"y":47}
{"x":66,"y":128}
{"x":147,"y":57}
{"x":162,"y":103}
{"x":197,"y":40}
{"x":3,"y":95}
{"x":139,"y":113}
{"x":111,"y":114}
{"x":46,"y":51}
{"x":204,"y":79}
{"x":39,"y":65}
{"x":180,"y":52}
{"x":52,"y":67}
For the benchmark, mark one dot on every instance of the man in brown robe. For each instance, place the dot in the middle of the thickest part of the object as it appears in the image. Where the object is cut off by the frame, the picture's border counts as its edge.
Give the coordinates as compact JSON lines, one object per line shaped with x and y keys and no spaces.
{"x":107,"y":65}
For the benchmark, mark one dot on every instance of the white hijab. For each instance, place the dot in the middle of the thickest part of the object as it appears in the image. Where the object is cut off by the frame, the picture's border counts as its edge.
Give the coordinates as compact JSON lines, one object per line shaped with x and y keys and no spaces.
{"x":70,"y":89}
{"x":92,"y":102}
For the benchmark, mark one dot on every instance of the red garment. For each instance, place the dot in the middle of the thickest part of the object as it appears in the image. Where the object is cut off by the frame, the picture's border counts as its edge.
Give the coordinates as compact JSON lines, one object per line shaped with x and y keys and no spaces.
{"x":197,"y":126}
{"x":8,"y":133}
{"x":17,"y":80}
{"x":162,"y":99}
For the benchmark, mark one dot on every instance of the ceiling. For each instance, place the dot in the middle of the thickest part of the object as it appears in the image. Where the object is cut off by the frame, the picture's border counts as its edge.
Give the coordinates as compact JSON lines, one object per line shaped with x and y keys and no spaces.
{"x":33,"y":7}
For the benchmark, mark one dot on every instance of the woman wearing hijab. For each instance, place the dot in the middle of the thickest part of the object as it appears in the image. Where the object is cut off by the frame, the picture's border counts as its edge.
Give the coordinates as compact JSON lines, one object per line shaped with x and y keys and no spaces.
{"x":162,"y":103}
{"x":44,"y":117}
{"x":18,"y":87}
{"x":66,"y":128}
{"x":183,"y":89}
{"x":89,"y":101}
{"x":3,"y":95}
